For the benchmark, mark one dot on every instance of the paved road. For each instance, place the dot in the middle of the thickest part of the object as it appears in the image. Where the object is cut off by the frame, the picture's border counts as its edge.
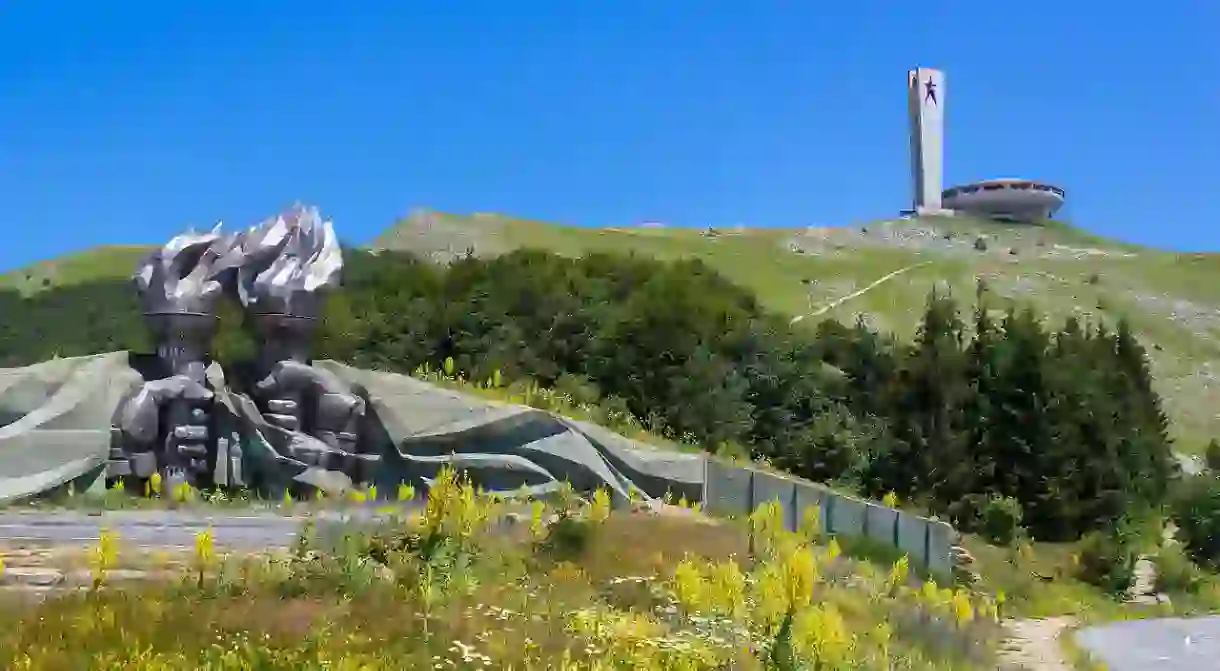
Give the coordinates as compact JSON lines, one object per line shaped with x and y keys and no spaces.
{"x":1171,"y":644}
{"x":162,"y":528}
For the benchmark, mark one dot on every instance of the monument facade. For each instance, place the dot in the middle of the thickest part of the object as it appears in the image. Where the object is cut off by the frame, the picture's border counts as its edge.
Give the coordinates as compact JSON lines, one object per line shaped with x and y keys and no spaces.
{"x":926,"y":104}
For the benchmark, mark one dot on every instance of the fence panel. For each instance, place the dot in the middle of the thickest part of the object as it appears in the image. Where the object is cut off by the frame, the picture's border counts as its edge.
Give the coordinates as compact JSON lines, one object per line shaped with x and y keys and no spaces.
{"x":846,"y":515}
{"x":768,"y":488}
{"x":808,"y":495}
{"x":940,"y":540}
{"x":913,"y":538}
{"x":737,"y":491}
{"x":881,"y":523}
{"x":727,"y":489}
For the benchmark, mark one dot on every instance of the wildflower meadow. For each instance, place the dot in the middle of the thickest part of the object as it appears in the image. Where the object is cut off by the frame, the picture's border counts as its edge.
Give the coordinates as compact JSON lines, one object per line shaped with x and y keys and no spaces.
{"x":474,"y":581}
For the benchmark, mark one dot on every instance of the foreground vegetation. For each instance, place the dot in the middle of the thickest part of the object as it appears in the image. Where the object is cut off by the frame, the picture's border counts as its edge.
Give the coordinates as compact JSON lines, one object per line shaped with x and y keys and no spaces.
{"x":569,"y":585}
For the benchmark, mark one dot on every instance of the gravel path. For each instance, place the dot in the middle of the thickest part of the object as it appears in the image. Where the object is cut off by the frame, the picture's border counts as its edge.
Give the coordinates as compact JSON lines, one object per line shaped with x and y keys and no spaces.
{"x":1033,"y":645}
{"x":859,"y":292}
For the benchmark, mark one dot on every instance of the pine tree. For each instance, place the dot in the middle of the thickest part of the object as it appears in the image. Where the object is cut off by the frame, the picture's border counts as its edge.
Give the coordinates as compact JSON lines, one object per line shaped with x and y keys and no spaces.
{"x":1149,"y":454}
{"x":981,"y":371}
{"x":930,"y":454}
{"x":1022,"y":439}
{"x":1094,"y":483}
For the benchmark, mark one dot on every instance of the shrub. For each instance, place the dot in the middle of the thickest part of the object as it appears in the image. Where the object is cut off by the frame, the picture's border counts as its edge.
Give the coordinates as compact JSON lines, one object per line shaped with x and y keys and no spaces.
{"x":1212,"y":456}
{"x":1106,"y":561}
{"x":1195,"y":510}
{"x":1175,"y":572}
{"x":1000,"y":520}
{"x":568,"y":538}
{"x":579,"y":388}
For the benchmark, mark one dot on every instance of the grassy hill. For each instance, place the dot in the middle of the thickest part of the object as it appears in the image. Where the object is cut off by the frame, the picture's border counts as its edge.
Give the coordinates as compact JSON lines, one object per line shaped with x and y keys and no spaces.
{"x":106,"y":262}
{"x":882,"y":270}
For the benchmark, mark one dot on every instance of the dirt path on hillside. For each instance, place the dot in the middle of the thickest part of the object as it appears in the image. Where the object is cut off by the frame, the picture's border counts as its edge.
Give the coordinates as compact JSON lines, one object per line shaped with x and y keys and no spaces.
{"x":859,"y":292}
{"x":1033,"y":645}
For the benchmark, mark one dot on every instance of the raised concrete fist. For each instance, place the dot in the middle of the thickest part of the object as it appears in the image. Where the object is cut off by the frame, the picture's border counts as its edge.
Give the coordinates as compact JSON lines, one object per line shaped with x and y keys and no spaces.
{"x":184,"y":406}
{"x":297,"y":397}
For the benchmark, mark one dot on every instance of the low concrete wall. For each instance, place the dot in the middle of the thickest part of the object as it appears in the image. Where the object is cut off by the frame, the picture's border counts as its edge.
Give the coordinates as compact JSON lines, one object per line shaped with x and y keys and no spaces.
{"x":734,"y":490}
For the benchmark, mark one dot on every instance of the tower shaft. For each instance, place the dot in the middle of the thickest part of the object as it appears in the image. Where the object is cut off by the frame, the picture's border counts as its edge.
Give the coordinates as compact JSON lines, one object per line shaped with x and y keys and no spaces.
{"x":925,"y":102}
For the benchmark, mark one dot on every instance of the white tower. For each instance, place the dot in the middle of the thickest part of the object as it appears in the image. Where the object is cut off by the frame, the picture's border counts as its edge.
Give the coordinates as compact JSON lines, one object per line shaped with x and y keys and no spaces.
{"x":926,"y":105}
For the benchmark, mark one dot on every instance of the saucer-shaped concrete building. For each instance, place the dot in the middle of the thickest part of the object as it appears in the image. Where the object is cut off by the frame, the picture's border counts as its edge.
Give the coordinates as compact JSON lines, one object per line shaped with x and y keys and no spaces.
{"x":1020,"y":200}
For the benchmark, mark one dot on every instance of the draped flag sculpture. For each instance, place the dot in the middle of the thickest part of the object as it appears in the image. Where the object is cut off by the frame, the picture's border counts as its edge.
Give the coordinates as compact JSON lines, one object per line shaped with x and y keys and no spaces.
{"x":283,"y":423}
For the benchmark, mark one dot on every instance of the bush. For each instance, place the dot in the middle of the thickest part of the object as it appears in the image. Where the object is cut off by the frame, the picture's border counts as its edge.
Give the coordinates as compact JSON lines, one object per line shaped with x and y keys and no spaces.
{"x":1175,"y":572}
{"x":580,"y":388}
{"x":1106,"y":561}
{"x":1000,"y":520}
{"x":1195,"y":510}
{"x":1212,"y":456}
{"x":568,"y":538}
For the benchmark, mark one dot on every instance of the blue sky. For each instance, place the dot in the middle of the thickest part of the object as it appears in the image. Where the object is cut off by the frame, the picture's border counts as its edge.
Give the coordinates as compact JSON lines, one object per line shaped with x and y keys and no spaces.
{"x":124,"y":122}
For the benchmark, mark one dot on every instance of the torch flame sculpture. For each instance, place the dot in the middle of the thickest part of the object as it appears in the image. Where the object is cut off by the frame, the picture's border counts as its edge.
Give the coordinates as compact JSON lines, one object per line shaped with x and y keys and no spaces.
{"x":289,"y":263}
{"x":178,"y":286}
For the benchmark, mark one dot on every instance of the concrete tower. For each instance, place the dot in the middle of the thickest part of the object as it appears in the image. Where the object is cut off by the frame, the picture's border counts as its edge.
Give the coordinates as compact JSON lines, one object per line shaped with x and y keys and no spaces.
{"x":926,"y":105}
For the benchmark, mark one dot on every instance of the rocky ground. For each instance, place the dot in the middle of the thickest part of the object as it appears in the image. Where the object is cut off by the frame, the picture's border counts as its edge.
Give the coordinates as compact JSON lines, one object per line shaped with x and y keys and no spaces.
{"x":950,"y":238}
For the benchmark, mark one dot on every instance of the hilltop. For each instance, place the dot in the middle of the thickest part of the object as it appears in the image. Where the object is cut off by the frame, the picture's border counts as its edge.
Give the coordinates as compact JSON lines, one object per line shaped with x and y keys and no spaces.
{"x":882,"y":270}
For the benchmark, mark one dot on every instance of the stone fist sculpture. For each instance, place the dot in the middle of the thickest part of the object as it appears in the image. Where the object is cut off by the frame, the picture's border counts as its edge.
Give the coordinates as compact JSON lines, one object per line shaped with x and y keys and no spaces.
{"x":183,"y":405}
{"x":297,"y":397}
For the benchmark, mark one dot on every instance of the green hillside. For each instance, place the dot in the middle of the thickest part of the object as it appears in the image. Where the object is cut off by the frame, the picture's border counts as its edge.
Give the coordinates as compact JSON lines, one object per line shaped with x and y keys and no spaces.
{"x":882,"y":270}
{"x":94,"y":264}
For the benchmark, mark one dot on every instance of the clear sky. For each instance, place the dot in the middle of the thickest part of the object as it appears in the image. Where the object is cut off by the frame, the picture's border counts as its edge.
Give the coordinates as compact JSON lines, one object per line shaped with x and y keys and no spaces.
{"x":123,"y":122}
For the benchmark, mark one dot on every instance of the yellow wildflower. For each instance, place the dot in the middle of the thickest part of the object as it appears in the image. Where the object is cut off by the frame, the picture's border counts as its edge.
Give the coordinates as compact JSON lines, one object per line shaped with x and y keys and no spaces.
{"x":729,"y":588}
{"x":833,"y":550}
{"x":963,"y":610}
{"x":811,"y":521}
{"x":599,"y":511}
{"x":104,"y":556}
{"x":688,"y":585}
